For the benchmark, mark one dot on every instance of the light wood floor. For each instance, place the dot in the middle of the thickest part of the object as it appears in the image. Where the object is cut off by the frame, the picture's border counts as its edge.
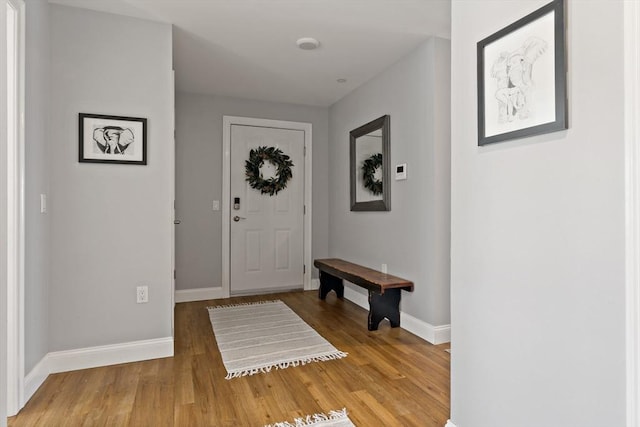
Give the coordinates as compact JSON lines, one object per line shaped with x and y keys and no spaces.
{"x":390,"y":378}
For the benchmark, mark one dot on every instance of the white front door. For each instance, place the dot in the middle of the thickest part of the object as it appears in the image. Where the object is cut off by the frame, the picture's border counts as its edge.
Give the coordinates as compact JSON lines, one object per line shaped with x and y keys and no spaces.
{"x":266,"y":231}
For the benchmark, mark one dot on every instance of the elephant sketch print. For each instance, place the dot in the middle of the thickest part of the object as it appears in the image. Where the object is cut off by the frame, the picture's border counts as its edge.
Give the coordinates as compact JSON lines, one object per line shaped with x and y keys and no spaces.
{"x":515,"y":83}
{"x":113,"y":139}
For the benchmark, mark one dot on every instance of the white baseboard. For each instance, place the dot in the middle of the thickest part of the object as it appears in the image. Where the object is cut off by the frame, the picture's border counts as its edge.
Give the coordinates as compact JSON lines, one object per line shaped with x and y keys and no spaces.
{"x":35,"y":378}
{"x":199,"y":294}
{"x":93,"y":357}
{"x":449,"y":424}
{"x":315,"y":284}
{"x":433,"y":334}
{"x":356,"y":297}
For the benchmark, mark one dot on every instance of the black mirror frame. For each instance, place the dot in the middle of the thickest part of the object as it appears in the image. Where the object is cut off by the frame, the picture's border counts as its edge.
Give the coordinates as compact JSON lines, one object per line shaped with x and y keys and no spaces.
{"x":382,"y":123}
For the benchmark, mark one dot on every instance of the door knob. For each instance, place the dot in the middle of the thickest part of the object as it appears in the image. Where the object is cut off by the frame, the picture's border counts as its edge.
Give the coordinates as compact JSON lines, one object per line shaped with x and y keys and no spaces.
{"x":238,"y":218}
{"x":177,"y":221}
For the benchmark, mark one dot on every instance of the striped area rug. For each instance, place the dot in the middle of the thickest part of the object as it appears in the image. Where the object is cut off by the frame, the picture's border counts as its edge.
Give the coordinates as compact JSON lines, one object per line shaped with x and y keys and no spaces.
{"x":332,"y":419}
{"x":258,"y":337}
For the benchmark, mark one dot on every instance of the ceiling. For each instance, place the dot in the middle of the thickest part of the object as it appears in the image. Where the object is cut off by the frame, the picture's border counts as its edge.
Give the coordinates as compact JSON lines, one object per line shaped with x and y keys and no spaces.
{"x":247,"y":48}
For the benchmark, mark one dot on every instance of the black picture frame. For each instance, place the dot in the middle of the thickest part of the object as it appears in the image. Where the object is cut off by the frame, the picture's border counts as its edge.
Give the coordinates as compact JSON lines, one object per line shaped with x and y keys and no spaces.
{"x":522,"y":80}
{"x":112,"y":139}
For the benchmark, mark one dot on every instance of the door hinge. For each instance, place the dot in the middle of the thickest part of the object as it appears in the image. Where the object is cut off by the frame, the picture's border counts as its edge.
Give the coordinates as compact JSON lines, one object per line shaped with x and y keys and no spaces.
{"x":304,"y":268}
{"x":304,"y":209}
{"x":174,"y":274}
{"x":305,"y":151}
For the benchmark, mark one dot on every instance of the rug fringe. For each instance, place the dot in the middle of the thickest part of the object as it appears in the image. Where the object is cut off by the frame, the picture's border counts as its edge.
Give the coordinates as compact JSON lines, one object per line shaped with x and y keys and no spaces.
{"x":311,"y":420}
{"x":214,"y":307}
{"x":284,"y":365}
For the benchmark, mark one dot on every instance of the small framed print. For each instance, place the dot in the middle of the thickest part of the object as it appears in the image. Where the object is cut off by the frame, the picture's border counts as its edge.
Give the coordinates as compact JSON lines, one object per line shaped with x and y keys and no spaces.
{"x":522,"y":85}
{"x":112,"y":139}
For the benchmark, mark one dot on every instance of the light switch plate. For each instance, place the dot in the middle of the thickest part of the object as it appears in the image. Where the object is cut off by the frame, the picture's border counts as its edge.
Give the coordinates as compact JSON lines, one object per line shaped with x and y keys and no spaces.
{"x":401,"y":172}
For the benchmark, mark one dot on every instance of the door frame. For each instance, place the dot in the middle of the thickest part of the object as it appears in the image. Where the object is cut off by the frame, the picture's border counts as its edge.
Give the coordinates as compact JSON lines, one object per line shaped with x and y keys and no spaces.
{"x":12,"y":201}
{"x":173,"y":204}
{"x":229,"y":121}
{"x":632,"y":197}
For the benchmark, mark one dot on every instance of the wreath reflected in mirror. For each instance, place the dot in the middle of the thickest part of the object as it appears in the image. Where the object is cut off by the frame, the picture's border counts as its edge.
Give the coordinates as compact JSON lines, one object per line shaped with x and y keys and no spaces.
{"x":277,"y":158}
{"x":369,"y":167}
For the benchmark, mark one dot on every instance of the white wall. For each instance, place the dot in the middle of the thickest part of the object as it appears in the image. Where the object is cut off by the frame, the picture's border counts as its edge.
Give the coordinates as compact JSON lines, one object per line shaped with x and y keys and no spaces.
{"x":37,"y":245}
{"x":413,"y":238}
{"x":199,"y":179}
{"x":537,"y":244}
{"x":111,"y":224}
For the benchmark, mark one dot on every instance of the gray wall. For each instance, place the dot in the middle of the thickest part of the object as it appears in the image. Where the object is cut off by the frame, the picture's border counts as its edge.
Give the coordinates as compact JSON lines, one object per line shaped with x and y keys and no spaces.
{"x":538,"y":239}
{"x":111,"y":224}
{"x":199,"y":179}
{"x":413,"y":238}
{"x":37,"y":247}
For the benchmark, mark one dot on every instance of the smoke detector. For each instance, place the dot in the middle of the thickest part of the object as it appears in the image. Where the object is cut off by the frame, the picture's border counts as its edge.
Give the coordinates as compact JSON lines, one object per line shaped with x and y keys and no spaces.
{"x":308,"y":43}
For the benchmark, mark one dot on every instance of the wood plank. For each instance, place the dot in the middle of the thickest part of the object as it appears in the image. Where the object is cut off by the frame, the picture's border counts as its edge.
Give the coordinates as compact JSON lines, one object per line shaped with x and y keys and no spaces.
{"x":365,"y":277}
{"x":390,"y":378}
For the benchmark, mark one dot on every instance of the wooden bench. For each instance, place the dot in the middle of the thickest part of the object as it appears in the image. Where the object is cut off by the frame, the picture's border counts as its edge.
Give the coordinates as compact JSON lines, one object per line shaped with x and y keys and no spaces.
{"x":384,"y":289}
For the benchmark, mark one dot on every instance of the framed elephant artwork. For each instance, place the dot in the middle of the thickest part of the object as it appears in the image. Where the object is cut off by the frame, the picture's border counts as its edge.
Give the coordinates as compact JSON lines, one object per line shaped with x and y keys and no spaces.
{"x":112,"y":139}
{"x":522,"y":83}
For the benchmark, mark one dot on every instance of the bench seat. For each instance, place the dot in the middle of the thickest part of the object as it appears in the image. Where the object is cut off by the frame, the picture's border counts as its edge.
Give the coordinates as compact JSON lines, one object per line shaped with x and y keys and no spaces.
{"x":384,"y":289}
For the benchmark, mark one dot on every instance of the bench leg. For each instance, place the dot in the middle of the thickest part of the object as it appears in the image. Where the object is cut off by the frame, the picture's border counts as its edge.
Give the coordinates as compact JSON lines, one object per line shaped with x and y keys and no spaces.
{"x":330,"y":283}
{"x":385,"y":305}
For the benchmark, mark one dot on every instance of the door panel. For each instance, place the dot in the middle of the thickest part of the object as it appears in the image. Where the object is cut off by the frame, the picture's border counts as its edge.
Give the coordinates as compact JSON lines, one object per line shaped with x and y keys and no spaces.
{"x":267,"y":239}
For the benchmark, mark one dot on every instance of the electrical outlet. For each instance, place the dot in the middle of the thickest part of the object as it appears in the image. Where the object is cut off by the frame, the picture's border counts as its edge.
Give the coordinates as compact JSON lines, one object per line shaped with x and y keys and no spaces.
{"x":384,"y":268}
{"x":142,"y":294}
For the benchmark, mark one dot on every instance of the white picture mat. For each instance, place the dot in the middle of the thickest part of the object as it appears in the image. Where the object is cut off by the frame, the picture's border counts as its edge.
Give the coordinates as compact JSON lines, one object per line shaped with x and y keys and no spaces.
{"x":90,"y":149}
{"x":542,"y":96}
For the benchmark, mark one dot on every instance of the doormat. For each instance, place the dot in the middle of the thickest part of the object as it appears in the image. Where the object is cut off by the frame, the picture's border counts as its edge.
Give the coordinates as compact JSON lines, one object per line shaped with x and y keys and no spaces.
{"x":257,"y":337}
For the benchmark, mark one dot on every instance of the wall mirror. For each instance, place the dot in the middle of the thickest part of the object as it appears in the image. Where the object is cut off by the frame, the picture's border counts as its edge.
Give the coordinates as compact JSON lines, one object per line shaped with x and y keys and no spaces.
{"x":369,"y":155}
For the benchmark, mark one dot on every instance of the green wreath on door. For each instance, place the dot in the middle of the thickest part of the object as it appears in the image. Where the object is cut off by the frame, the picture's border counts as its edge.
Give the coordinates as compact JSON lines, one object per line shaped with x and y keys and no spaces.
{"x":277,"y":158}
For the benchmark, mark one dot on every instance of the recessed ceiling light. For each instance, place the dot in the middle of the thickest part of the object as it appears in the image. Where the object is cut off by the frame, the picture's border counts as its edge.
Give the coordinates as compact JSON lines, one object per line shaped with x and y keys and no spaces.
{"x":307,"y":43}
{"x":341,"y":80}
